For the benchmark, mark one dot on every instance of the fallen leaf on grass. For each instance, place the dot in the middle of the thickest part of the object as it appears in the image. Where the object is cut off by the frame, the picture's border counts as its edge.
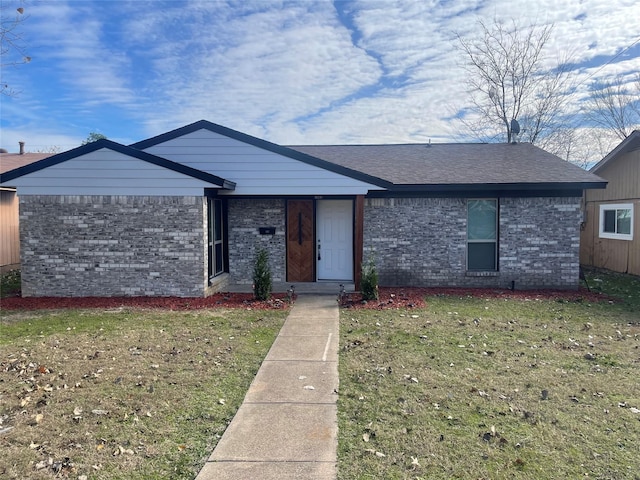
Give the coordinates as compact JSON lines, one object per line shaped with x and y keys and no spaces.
{"x":121,"y":451}
{"x":44,"y":464}
{"x":375,"y":452}
{"x":100,"y":412}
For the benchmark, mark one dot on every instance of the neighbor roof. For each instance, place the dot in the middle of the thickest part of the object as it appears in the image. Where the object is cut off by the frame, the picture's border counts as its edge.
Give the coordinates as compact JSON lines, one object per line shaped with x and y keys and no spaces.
{"x":11,"y":161}
{"x":448,"y":165}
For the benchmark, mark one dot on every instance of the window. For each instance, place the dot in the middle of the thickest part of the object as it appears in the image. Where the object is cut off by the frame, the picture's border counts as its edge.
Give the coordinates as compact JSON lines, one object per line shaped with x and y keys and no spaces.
{"x":216,"y":233}
{"x":616,"y":221}
{"x":482,"y":235}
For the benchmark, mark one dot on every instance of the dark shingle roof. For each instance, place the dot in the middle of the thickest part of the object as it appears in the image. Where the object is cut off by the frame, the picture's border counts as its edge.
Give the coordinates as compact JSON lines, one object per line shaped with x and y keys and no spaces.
{"x":454,"y":164}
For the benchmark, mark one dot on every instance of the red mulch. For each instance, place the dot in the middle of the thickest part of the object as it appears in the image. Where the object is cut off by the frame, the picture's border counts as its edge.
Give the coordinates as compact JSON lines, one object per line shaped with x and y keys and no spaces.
{"x":219,"y":300}
{"x":389,"y":298}
{"x":411,"y":297}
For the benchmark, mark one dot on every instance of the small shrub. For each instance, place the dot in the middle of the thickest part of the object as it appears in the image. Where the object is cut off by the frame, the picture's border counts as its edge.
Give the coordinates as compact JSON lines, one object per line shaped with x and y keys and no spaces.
{"x":369,"y":281}
{"x":262,"y":276}
{"x":10,"y":283}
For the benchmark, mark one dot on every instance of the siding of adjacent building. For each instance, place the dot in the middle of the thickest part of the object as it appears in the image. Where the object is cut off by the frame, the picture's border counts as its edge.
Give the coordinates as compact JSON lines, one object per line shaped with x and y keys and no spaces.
{"x":9,"y":231}
{"x":623,"y":174}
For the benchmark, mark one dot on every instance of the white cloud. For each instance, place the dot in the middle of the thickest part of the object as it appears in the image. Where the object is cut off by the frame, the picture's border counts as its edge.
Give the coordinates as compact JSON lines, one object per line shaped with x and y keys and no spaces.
{"x":295,"y":71}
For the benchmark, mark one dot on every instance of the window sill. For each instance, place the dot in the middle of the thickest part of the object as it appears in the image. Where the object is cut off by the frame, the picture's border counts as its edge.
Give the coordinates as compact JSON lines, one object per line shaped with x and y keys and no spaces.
{"x":616,"y":236}
{"x":477,"y":273}
{"x":217,"y":283}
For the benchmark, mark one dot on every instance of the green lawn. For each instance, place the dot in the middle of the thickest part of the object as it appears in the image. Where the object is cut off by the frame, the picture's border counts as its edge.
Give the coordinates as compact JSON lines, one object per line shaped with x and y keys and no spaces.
{"x":123,"y":393}
{"x":493,"y":389}
{"x":464,"y":388}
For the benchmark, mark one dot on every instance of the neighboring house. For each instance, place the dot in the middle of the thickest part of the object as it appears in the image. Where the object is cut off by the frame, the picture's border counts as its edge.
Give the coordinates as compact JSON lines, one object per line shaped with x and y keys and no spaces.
{"x":610,"y":236}
{"x":9,"y":233}
{"x":186,"y":212}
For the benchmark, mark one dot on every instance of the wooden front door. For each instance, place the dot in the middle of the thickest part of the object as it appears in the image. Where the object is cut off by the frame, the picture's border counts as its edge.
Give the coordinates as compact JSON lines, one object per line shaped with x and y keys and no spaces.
{"x":300,"y":241}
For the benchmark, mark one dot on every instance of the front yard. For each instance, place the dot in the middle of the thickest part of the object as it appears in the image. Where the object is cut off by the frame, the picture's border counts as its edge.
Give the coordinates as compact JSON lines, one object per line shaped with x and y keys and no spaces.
{"x":465,"y":387}
{"x":479,"y":388}
{"x":123,"y":393}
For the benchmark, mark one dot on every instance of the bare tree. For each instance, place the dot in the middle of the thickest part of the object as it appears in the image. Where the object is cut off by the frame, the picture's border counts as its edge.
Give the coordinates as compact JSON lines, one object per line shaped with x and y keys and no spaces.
{"x":12,"y":49}
{"x":508,"y":80}
{"x":615,"y":105}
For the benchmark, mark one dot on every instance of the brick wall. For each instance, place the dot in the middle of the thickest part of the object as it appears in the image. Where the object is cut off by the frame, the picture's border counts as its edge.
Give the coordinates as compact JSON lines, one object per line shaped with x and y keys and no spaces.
{"x":422,"y":242}
{"x":112,"y":245}
{"x":246,"y":216}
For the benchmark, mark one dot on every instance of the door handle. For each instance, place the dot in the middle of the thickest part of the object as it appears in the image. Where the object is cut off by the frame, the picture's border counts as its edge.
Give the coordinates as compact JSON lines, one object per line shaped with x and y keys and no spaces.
{"x":319,"y":255}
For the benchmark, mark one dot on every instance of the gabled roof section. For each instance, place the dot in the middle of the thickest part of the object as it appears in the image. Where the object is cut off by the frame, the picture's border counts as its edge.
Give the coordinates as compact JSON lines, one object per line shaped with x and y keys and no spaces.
{"x":117,"y":147}
{"x":632,"y":142}
{"x":295,"y":154}
{"x":459,"y":166}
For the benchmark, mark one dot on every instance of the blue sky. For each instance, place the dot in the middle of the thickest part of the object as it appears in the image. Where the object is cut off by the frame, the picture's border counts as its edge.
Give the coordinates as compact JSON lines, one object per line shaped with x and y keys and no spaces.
{"x":292,"y":72}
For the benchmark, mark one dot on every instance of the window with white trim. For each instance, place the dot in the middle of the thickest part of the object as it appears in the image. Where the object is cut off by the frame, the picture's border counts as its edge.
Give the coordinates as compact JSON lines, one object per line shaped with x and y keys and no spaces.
{"x":482,"y":234}
{"x":616,"y":221}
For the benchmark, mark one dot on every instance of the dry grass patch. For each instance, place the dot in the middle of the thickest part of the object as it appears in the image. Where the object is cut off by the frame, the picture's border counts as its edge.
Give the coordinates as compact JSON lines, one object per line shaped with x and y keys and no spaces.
{"x":123,"y":393}
{"x":490,"y":389}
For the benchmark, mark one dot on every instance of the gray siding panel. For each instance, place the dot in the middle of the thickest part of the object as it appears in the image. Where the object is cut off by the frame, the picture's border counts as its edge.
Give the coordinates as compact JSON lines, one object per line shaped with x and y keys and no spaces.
{"x":105,"y":172}
{"x":255,"y":171}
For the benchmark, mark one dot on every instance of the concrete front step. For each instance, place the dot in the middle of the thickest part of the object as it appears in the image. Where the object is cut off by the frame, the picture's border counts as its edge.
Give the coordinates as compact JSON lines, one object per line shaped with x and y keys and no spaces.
{"x":319,"y":288}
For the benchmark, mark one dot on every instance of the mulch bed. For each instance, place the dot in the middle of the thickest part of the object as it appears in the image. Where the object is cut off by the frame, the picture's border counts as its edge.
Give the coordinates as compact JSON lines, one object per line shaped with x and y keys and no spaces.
{"x":219,"y":300}
{"x":389,"y":298}
{"x":405,"y":297}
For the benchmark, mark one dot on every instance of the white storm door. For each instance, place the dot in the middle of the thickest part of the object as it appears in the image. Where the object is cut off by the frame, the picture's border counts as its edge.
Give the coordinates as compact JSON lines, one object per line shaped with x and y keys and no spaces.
{"x":334,"y":239}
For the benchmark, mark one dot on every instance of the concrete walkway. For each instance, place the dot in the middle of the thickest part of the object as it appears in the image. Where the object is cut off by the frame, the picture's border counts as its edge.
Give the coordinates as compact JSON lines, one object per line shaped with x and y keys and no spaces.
{"x":286,"y":428}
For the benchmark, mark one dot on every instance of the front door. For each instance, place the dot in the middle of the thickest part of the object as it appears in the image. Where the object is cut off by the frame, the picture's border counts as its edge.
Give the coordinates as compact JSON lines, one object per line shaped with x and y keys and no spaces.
{"x":300,"y":246}
{"x":334,"y":239}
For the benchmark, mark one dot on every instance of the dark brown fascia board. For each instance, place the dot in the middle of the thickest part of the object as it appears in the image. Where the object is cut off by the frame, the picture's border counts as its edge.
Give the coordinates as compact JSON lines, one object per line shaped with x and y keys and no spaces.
{"x":265,"y":145}
{"x":117,"y":147}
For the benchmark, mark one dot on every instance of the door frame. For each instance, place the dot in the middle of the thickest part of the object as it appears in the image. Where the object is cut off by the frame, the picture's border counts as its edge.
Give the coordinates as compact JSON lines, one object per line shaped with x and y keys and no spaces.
{"x":357,"y":233}
{"x":349,"y":242}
